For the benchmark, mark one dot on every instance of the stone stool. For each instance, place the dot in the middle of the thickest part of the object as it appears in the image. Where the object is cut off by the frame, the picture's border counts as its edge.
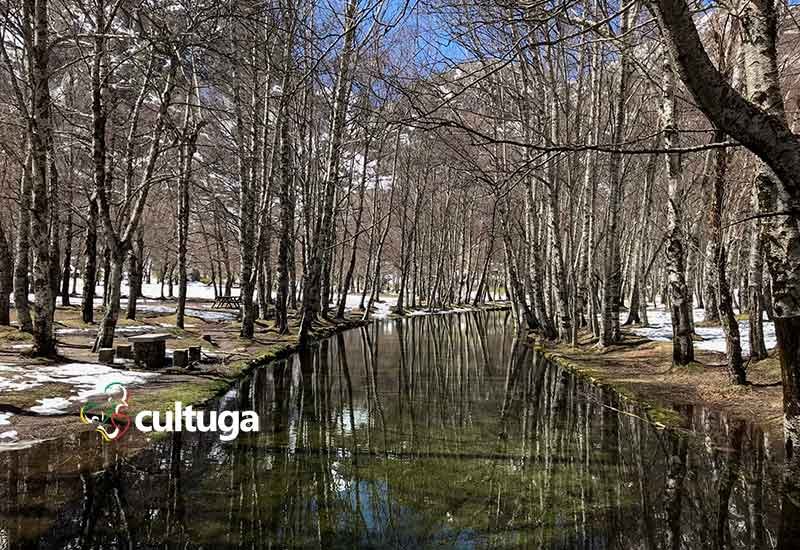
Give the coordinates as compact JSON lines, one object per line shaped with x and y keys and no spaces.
{"x":124,"y":351}
{"x":106,"y":355}
{"x":180,"y":358}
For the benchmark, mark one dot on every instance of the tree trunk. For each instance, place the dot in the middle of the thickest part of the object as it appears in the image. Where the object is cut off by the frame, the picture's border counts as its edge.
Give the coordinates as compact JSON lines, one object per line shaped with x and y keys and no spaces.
{"x":67,"y":265}
{"x":44,"y":177}
{"x":377,"y":282}
{"x":188,"y":148}
{"x":323,"y":230}
{"x":758,"y":349}
{"x":134,"y":270}
{"x":90,"y":265}
{"x":135,"y":274}
{"x":286,"y":205}
{"x":711,"y":310}
{"x":636,"y":295}
{"x":730,"y":325}
{"x":105,"y":334}
{"x":612,"y":272}
{"x":534,"y":281}
{"x":682,"y":345}
{"x":6,"y":279}
{"x":21,"y":263}
{"x":554,"y":227}
{"x":348,"y":277}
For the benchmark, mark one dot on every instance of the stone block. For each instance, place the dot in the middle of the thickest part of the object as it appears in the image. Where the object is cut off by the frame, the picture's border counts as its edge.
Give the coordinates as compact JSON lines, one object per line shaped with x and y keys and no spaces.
{"x":106,"y":355}
{"x":180,"y":358}
{"x":150,"y":354}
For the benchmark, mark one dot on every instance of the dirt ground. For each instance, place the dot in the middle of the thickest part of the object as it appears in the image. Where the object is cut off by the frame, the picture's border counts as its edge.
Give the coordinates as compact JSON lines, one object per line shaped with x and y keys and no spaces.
{"x":642,"y":370}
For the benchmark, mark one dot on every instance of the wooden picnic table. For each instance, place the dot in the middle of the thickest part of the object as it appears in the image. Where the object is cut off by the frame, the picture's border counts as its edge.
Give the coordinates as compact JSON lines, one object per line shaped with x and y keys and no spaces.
{"x":227,"y":302}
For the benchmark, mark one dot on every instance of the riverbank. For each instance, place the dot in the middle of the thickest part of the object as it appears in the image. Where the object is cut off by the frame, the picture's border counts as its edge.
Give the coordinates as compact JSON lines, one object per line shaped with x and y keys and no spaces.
{"x":41,"y":399}
{"x":641,"y":370}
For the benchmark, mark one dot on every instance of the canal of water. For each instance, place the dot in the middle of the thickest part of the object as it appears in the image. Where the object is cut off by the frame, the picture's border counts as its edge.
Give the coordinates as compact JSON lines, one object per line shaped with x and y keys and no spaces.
{"x":436,"y":431}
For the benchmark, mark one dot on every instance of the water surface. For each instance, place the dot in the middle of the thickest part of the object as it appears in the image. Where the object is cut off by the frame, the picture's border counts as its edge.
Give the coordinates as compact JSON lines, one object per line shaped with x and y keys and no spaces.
{"x":439,"y":431}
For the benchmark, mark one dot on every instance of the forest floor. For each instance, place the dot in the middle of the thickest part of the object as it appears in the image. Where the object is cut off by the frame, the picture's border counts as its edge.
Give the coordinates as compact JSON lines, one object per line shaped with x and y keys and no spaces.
{"x":641,"y":369}
{"x":41,"y":399}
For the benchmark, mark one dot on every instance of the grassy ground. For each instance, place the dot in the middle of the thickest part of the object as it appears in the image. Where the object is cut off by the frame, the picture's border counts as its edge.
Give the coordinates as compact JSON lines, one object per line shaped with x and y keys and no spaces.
{"x":642,"y":370}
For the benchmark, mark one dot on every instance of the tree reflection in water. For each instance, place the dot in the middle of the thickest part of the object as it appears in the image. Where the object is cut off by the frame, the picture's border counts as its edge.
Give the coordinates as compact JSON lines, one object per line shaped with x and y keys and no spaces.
{"x":439,"y":430}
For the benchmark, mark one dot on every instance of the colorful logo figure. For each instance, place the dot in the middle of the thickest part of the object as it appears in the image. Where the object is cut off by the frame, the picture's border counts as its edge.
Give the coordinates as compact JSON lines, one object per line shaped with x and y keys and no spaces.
{"x":112,"y":422}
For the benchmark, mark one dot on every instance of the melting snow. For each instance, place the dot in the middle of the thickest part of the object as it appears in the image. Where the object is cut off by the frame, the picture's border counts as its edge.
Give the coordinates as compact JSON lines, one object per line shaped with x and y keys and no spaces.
{"x":4,"y":418}
{"x":380,"y":310}
{"x":51,"y":405}
{"x":660,"y":328}
{"x":212,"y":315}
{"x":86,"y":378}
{"x":196,"y":290}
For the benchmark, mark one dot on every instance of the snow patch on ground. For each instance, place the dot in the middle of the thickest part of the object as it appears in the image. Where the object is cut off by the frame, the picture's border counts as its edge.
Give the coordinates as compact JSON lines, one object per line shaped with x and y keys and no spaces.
{"x":5,"y":418}
{"x":212,"y":315}
{"x":660,"y":329}
{"x":21,"y":346}
{"x":154,"y":308}
{"x":194,"y":290}
{"x":86,"y":379}
{"x":14,"y":445}
{"x":11,"y":434}
{"x":131,"y":330}
{"x":380,"y":310}
{"x":51,"y":405}
{"x":441,"y":312}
